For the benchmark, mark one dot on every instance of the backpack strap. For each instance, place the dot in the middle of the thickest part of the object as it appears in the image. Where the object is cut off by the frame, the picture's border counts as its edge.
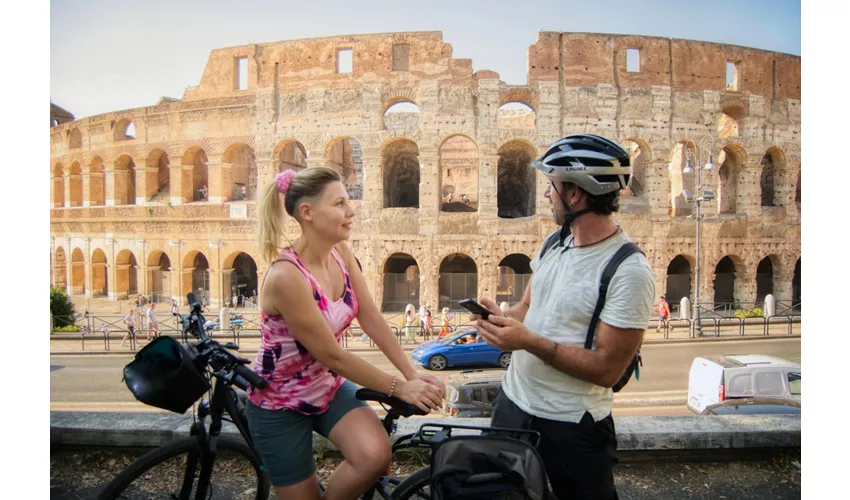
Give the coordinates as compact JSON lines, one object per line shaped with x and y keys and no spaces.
{"x":550,"y":242}
{"x":622,"y":253}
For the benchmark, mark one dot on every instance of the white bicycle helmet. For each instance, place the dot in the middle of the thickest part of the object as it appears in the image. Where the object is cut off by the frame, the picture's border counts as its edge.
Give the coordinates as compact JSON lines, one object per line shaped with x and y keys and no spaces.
{"x":593,"y":163}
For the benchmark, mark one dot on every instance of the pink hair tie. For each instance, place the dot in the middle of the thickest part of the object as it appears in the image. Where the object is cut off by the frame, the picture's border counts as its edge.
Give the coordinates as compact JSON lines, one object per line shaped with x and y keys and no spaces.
{"x":284,"y":179}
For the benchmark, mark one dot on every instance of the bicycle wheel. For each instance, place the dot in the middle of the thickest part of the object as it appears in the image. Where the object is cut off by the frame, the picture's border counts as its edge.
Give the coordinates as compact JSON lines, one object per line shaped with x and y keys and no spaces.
{"x":237,"y":473}
{"x":416,"y":485}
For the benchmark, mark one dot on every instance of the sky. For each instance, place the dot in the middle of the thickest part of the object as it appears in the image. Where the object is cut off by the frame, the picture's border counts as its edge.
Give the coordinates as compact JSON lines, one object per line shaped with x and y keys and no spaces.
{"x":114,"y":55}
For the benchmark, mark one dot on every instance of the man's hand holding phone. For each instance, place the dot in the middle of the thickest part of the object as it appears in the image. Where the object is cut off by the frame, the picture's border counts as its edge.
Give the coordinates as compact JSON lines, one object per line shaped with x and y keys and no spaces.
{"x":497,"y":330}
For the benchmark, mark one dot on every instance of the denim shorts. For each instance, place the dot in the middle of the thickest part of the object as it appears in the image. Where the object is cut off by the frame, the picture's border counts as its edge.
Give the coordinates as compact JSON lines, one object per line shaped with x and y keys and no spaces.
{"x":283,"y":439}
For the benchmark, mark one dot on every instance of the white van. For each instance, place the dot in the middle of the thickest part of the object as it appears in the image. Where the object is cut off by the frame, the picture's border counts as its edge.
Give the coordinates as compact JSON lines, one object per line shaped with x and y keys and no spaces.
{"x":714,"y":379}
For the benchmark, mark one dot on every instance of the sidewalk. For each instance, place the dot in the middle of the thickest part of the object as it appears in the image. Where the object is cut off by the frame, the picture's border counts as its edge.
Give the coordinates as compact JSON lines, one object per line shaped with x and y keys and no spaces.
{"x":249,"y":343}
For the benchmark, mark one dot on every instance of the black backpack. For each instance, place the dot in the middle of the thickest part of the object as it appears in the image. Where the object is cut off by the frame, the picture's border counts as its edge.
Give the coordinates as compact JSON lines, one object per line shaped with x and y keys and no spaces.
{"x":622,"y":253}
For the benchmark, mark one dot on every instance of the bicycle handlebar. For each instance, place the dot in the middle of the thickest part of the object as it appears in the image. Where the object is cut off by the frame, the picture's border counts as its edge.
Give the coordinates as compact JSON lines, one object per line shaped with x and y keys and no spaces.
{"x":232,"y":368}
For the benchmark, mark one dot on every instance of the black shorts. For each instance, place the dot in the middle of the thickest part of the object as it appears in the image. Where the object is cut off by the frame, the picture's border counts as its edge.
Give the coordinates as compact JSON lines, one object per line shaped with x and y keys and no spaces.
{"x":579,"y":458}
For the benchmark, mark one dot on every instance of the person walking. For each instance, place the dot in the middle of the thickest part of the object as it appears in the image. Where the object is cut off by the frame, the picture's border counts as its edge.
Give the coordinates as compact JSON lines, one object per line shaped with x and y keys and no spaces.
{"x":429,"y":325}
{"x":554,"y":384}
{"x":445,"y":329}
{"x":663,"y":310}
{"x":310,"y":295}
{"x":130,"y":321}
{"x":410,"y":324}
{"x":152,"y":325}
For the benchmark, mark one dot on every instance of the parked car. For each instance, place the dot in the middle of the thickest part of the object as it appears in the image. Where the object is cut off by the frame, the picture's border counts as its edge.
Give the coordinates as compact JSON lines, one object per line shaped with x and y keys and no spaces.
{"x":471,"y":393}
{"x":237,"y":320}
{"x":754,"y":406}
{"x":461,"y":349}
{"x":715,"y":379}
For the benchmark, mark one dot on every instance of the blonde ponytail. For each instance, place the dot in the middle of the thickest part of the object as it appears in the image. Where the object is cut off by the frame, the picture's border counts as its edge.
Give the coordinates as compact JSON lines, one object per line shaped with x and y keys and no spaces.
{"x":270,"y":214}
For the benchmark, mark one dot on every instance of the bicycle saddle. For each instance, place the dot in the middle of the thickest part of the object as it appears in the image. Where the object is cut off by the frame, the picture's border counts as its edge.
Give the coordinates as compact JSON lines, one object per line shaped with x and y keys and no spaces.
{"x":400,"y":407}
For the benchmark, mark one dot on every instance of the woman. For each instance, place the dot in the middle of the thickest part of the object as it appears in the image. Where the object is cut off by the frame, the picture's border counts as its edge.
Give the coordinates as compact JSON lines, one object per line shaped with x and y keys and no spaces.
{"x":410,"y":323}
{"x":311,"y":293}
{"x":130,"y":321}
{"x":444,"y":328}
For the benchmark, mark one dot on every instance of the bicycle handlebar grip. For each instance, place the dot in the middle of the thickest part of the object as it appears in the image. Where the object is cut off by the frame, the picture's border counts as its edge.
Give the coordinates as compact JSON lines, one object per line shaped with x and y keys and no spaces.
{"x":249,"y":375}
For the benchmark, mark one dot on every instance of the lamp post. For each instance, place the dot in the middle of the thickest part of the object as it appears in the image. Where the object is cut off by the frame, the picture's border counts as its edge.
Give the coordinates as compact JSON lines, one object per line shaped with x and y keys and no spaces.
{"x":700,"y":196}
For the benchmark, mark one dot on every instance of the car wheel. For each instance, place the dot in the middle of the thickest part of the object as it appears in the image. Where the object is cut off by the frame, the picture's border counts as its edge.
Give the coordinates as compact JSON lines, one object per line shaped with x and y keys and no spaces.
{"x":438,"y":362}
{"x":505,"y":360}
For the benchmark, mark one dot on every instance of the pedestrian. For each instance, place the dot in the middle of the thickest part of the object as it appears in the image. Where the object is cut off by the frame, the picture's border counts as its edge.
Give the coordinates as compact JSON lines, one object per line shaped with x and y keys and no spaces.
{"x":445,"y":329}
{"x":554,"y":385}
{"x":422,"y":313}
{"x":312,"y":292}
{"x":130,"y":321}
{"x":410,"y":323}
{"x":663,"y":310}
{"x":152,"y":326}
{"x":429,"y":324}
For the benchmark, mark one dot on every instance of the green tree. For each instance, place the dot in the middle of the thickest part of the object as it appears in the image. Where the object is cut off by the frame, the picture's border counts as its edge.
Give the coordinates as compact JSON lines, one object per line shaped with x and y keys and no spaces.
{"x":61,"y":308}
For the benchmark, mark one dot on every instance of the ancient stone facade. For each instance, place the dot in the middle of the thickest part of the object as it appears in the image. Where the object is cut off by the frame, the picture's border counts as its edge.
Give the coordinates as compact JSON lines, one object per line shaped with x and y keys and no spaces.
{"x":161,"y":199}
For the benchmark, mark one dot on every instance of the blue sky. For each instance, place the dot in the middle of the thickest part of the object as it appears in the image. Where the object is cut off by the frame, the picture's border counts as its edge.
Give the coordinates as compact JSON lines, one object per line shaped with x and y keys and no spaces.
{"x":114,"y":55}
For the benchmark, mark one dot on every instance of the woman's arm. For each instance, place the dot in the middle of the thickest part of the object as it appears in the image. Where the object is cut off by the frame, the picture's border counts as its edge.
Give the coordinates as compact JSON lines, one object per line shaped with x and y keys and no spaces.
{"x":372,"y":321}
{"x":288,"y":293}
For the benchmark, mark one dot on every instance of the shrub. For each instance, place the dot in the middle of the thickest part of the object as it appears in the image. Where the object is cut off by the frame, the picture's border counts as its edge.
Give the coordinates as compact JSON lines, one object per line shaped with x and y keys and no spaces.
{"x":61,"y":308}
{"x":68,"y":328}
{"x":749,"y":313}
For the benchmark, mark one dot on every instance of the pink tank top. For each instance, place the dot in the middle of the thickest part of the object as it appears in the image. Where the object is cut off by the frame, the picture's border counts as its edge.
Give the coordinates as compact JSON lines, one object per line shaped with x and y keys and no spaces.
{"x":297,"y":381}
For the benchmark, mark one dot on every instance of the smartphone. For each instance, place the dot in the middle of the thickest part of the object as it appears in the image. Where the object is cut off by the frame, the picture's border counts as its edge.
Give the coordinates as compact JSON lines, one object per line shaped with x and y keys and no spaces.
{"x":474,"y":307}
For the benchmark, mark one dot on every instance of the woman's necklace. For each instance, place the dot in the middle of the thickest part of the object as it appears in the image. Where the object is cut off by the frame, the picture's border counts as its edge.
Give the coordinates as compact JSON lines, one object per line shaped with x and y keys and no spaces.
{"x":596,"y":242}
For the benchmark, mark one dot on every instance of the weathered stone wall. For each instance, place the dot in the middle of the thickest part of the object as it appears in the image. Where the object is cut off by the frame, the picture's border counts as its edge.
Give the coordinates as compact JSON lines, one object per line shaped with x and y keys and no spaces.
{"x":296,"y":101}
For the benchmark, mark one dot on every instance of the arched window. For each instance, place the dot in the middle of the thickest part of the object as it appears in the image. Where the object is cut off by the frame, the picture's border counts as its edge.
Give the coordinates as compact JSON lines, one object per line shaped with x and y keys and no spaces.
{"x":516,"y":181}
{"x":400,"y":162}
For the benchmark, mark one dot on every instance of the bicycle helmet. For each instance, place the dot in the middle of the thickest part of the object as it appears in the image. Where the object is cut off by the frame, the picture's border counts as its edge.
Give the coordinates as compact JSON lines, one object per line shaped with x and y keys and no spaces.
{"x":593,"y":163}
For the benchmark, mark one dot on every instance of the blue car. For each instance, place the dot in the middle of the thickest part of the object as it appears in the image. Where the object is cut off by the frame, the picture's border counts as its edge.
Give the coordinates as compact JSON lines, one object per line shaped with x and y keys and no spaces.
{"x":461,"y":349}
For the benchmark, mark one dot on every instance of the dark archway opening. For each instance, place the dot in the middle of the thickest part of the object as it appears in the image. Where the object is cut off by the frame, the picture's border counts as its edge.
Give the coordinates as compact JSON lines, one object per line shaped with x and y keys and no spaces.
{"x":514,"y":275}
{"x":401,"y":175}
{"x":724,"y":284}
{"x":764,"y":280}
{"x":201,"y":277}
{"x":796,"y":288}
{"x":401,"y":283}
{"x":458,"y":280}
{"x":243,"y":282}
{"x":678,"y":281}
{"x":515,"y":185}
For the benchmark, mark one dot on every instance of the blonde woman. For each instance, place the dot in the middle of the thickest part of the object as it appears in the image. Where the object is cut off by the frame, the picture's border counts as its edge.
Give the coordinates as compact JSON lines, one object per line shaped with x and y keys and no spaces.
{"x":311,"y":293}
{"x":410,"y":323}
{"x":444,"y":326}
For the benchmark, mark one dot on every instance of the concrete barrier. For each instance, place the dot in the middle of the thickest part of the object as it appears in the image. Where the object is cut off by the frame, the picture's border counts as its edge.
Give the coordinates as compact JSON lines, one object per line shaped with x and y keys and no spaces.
{"x":634,"y":434}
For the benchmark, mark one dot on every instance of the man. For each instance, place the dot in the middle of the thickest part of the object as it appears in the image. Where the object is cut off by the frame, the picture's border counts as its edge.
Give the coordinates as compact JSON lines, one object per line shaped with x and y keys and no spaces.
{"x":554,"y":385}
{"x":153,"y":326}
{"x":663,"y":311}
{"x":423,"y":316}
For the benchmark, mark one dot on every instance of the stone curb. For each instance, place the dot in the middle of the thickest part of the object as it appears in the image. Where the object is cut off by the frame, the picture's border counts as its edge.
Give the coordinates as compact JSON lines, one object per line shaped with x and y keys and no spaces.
{"x":636,"y":434}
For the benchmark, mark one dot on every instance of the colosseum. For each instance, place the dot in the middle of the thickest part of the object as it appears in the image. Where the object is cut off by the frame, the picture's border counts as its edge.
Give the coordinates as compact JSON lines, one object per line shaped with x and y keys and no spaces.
{"x":161,"y":200}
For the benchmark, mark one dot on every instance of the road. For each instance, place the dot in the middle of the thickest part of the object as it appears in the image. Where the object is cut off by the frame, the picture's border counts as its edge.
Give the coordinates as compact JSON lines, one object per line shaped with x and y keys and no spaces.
{"x":93,"y":382}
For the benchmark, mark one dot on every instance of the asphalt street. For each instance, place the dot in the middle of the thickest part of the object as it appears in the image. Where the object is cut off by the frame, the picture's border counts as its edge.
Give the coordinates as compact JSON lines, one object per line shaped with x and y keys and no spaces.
{"x":93,"y":382}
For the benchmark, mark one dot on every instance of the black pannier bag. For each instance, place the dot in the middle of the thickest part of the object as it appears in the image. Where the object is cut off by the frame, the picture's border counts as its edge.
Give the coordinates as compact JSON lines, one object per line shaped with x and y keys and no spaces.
{"x":487,"y":467}
{"x":165,"y":374}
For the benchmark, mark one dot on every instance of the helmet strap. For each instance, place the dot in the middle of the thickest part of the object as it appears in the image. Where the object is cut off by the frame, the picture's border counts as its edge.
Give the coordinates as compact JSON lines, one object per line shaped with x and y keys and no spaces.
{"x":569,"y":218}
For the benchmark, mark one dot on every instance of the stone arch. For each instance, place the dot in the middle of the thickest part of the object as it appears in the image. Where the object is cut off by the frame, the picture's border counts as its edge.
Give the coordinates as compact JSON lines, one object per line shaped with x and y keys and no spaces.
{"x":290,"y":155}
{"x":345,"y":156}
{"x":60,"y":269}
{"x":97,"y":182}
{"x":75,"y":179}
{"x":401,"y":277}
{"x":458,"y":171}
{"x":458,"y":280}
{"x":727,"y":289}
{"x":767,"y":272}
{"x":196,"y":275}
{"x":58,"y":186}
{"x":98,"y":268}
{"x":126,"y":274}
{"x":514,"y":275}
{"x":242,"y":184}
{"x":125,"y":180}
{"x":401,"y":173}
{"x":75,"y":139}
{"x":678,"y":180}
{"x":772,"y":161}
{"x":522,"y":95}
{"x":78,"y":272}
{"x":732,"y":160}
{"x":402,"y":114}
{"x":159,"y":276}
{"x":516,"y":114}
{"x":124,"y":130}
{"x":158,"y":176}
{"x":196,"y":181}
{"x":240,"y":278}
{"x":516,"y":180}
{"x":728,"y":122}
{"x":679,"y":279}
{"x":640,"y":155}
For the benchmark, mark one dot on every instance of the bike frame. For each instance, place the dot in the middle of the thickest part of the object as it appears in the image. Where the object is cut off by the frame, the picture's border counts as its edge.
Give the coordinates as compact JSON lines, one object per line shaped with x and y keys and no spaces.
{"x":223,"y":401}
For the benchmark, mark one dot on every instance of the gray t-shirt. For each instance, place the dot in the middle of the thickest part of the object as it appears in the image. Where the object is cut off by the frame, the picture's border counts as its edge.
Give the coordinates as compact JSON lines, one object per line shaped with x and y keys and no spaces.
{"x":564,"y":291}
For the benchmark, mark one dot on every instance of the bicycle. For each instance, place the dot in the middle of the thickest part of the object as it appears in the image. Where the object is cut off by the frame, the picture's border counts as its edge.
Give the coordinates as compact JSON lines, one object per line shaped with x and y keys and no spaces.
{"x":197,"y":455}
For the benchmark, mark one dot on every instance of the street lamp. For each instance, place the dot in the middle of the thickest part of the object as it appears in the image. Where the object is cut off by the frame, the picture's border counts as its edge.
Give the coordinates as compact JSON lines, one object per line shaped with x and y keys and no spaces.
{"x":700,"y":196}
